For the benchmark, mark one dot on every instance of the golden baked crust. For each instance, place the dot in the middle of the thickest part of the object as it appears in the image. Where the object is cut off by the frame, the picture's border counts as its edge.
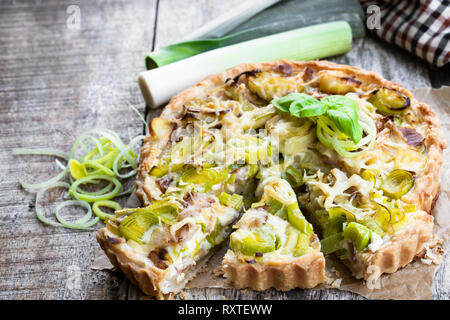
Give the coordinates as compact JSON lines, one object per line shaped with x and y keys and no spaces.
{"x":306,"y":271}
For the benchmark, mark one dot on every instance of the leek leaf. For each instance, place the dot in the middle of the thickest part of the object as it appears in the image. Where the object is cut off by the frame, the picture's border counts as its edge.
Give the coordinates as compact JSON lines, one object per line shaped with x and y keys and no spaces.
{"x":283,"y":16}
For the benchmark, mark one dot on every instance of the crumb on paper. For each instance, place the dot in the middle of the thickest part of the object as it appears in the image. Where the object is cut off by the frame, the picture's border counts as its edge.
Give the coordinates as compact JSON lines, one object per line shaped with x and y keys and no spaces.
{"x":373,"y":281}
{"x":434,"y":253}
{"x":336,"y":283}
{"x":217,"y":273}
{"x":203,"y":268}
{"x":371,"y":285}
{"x":333,"y":278}
{"x":185,"y":295}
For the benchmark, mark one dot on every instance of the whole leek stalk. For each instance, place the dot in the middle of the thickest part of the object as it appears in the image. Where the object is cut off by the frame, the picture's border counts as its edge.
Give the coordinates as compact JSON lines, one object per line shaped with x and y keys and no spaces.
{"x":259,"y":18}
{"x":314,"y":42}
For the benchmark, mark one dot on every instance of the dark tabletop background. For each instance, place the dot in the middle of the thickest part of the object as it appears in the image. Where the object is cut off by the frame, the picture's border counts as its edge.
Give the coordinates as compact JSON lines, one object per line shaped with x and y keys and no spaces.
{"x":56,"y":82}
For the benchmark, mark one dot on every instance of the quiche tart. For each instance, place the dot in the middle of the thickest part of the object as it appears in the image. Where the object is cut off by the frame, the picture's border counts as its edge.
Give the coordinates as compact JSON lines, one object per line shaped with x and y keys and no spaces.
{"x":304,"y":159}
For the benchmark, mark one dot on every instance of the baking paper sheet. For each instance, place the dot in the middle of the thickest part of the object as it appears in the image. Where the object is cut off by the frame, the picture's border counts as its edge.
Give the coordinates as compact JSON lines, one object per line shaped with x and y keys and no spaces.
{"x":415,"y":281}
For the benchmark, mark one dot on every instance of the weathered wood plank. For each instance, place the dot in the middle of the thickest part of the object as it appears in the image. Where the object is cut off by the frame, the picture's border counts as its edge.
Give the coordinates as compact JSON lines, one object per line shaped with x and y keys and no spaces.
{"x":54,"y":83}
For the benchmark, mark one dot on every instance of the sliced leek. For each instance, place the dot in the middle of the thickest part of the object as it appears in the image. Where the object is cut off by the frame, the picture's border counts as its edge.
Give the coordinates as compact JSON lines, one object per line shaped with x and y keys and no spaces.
{"x":105,"y":203}
{"x":397,"y":183}
{"x":358,"y":234}
{"x":249,"y":242}
{"x":235,"y":201}
{"x":102,"y":158}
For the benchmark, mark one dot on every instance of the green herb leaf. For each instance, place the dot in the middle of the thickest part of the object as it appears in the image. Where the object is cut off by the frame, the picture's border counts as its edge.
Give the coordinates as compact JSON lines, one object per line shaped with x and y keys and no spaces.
{"x":283,"y":103}
{"x":343,"y":111}
{"x":300,"y":105}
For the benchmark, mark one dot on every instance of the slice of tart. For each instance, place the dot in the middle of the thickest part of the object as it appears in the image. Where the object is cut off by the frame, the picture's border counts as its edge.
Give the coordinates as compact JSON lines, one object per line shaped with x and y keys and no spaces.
{"x":274,"y":246}
{"x":370,"y":232}
{"x":161,"y":247}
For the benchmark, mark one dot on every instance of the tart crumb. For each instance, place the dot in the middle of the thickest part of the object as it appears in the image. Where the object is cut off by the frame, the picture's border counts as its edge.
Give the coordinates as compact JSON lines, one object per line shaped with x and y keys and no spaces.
{"x":184,"y":295}
{"x":433,"y":252}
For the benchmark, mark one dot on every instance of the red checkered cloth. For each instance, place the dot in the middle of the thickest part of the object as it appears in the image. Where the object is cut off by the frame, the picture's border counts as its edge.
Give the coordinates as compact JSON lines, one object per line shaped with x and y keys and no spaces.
{"x":420,"y":26}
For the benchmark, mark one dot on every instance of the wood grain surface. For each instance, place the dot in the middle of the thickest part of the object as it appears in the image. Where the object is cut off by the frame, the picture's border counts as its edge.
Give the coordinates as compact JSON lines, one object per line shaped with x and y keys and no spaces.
{"x":56,"y":82}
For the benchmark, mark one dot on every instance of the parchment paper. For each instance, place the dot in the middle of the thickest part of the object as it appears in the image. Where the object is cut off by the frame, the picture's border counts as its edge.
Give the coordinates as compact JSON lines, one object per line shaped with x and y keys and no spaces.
{"x":415,"y":281}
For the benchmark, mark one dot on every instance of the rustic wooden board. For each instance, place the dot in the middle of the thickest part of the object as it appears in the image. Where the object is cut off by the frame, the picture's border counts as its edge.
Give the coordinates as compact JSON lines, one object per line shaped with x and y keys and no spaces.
{"x":56,"y":82}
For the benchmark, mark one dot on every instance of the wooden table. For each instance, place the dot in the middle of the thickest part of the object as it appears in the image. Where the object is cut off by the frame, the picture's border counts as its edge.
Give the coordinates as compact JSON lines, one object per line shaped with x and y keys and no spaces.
{"x":56,"y":82}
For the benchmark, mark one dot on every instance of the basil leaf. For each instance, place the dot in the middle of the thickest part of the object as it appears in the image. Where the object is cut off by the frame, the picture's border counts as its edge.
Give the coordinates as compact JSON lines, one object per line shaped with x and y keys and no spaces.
{"x":300,"y":105}
{"x":283,"y":103}
{"x":343,"y":111}
{"x":306,"y":106}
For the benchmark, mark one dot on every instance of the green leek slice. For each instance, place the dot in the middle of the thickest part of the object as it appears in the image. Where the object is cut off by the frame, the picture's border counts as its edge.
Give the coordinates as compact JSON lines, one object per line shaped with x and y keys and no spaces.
{"x":370,"y":175}
{"x":296,"y":219}
{"x":338,"y":215}
{"x":331,"y":243}
{"x":162,"y":170}
{"x":253,"y":171}
{"x":291,"y":240}
{"x":93,"y":179}
{"x":389,"y":102}
{"x":105,"y":203}
{"x":77,"y":170}
{"x":214,"y":237}
{"x":274,"y":206}
{"x":293,"y":176}
{"x":136,"y":224}
{"x":205,"y":177}
{"x":397,"y":183}
{"x":382,"y":217}
{"x":248,"y":242}
{"x":235,"y":201}
{"x":358,"y":234}
{"x":302,"y":244}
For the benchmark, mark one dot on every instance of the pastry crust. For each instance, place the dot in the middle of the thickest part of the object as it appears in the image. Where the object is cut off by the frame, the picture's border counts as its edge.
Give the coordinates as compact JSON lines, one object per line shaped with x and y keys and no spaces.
{"x":305,"y":271}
